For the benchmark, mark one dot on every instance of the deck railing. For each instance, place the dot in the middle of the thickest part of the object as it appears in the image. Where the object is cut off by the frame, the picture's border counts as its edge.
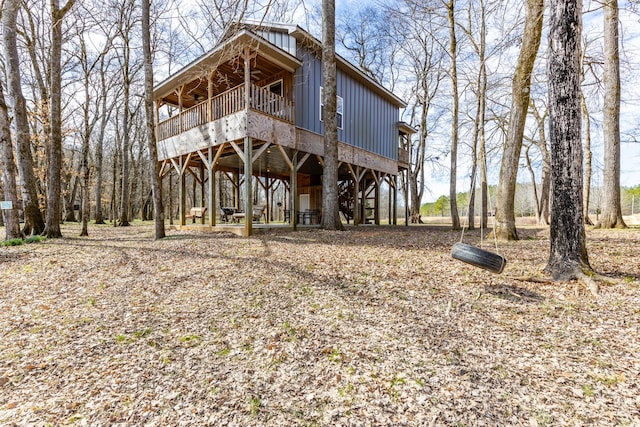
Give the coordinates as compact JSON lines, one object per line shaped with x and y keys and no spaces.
{"x":224,"y":104}
{"x":403,"y":155}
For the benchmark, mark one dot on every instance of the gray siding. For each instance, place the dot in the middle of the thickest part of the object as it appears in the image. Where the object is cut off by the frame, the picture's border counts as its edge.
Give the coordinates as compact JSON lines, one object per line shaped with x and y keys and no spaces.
{"x":281,"y":39}
{"x":369,"y":121}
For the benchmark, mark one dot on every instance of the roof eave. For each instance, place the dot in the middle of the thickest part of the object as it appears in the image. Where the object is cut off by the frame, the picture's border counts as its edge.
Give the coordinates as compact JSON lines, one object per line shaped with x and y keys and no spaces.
{"x":300,"y":33}
{"x":195,"y":68}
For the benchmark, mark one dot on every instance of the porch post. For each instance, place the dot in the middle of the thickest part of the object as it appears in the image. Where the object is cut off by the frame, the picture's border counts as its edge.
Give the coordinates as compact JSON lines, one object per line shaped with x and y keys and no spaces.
{"x":376,"y":201}
{"x":356,"y":194}
{"x":267,"y":199}
{"x":389,"y":215}
{"x":182,"y":193}
{"x":248,"y":202}
{"x":406,"y":201}
{"x":202,"y":190}
{"x":293,"y":193}
{"x":210,"y":98}
{"x":395,"y":200}
{"x":212,"y":185}
{"x":247,"y":77}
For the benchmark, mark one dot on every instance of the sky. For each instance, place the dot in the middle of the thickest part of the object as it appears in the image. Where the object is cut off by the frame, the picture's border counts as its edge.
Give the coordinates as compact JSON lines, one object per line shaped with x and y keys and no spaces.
{"x":438,"y":179}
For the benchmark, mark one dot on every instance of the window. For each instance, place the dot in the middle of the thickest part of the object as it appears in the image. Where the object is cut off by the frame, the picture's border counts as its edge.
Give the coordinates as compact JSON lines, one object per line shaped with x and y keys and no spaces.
{"x":276,"y":87}
{"x":339,"y":109}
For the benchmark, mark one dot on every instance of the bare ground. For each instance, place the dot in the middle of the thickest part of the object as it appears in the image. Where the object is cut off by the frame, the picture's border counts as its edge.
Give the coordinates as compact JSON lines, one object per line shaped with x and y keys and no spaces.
{"x":368,"y":327}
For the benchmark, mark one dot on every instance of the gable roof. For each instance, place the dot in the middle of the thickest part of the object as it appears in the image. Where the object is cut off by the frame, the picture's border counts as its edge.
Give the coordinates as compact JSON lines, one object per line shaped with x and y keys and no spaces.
{"x":305,"y":37}
{"x":245,"y":32}
{"x":223,"y":52}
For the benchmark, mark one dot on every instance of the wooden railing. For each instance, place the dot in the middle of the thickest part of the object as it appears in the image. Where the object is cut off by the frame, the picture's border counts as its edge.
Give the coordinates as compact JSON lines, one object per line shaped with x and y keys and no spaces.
{"x":265,"y":101}
{"x":403,"y":155}
{"x":224,"y":104}
{"x":228,"y":102}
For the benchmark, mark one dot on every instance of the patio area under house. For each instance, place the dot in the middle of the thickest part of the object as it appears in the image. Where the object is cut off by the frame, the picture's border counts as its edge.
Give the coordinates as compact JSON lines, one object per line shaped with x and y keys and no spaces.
{"x":247,"y":117}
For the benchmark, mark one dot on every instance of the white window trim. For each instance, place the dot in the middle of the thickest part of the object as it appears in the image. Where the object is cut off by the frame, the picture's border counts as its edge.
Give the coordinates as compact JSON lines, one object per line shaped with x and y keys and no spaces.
{"x":339,"y":110}
{"x":281,"y":81}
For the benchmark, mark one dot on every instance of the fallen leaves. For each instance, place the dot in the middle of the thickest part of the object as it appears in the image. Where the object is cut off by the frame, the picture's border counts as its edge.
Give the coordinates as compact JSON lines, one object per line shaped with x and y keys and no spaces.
{"x":372,"y":326}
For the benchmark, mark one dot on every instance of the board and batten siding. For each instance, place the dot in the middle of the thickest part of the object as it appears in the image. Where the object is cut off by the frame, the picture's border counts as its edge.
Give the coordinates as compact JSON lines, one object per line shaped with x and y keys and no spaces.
{"x":281,"y":39}
{"x":369,"y":121}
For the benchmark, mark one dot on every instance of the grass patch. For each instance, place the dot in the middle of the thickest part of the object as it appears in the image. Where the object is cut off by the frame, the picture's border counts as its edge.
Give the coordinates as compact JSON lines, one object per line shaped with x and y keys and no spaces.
{"x":19,"y":241}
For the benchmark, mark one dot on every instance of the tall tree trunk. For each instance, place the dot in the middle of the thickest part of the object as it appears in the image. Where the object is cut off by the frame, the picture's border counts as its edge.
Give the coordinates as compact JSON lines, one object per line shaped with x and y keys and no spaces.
{"x":156,"y":187}
{"x":568,"y":253}
{"x":480,"y":125}
{"x":54,"y":207}
{"x":612,"y":211}
{"x":8,"y":168}
{"x":33,"y":224}
{"x":330,"y":212}
{"x":453,"y":48}
{"x":588,"y":159}
{"x":542,"y":202}
{"x":505,"y":228}
{"x":104,"y":120}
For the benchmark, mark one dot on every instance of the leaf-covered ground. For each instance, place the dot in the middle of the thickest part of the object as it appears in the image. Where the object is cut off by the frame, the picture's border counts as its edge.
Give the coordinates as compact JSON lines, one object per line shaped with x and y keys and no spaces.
{"x":368,"y":327}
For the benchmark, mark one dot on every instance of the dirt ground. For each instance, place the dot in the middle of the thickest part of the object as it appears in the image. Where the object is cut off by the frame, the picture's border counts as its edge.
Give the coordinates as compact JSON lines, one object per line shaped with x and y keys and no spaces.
{"x":374,"y":326}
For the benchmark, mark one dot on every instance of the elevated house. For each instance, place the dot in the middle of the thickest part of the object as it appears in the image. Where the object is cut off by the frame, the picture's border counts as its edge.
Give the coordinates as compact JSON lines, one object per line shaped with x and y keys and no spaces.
{"x":251,"y":109}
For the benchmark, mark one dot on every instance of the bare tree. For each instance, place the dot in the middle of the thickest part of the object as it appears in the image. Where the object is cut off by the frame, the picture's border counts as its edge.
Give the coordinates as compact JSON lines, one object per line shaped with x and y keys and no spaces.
{"x":453,"y":52}
{"x":128,"y":68}
{"x":612,"y":213}
{"x":505,"y":227}
{"x":151,"y":135}
{"x":9,"y":173}
{"x":568,"y":253}
{"x":330,"y":211}
{"x":34,"y":223}
{"x":54,"y":211}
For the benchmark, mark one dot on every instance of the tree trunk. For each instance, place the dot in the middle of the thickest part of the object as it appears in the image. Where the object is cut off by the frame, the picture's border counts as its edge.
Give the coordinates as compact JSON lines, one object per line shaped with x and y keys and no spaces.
{"x":453,"y":47}
{"x":568,"y":254}
{"x":330,"y":212}
{"x":156,"y":187}
{"x":588,"y":159}
{"x":54,"y":207}
{"x":8,"y":168}
{"x":505,"y":227}
{"x":545,"y":189}
{"x":612,"y":210}
{"x":33,"y":224}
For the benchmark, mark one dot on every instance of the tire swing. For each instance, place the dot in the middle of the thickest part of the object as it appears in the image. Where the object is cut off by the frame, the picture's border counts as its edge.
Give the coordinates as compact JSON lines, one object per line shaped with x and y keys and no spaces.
{"x":477,"y":256}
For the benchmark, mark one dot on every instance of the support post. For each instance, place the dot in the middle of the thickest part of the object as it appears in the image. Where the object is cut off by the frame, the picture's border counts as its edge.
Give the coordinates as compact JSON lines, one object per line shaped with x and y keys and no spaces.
{"x":356,"y":196}
{"x":376,"y":201}
{"x":182,"y":194}
{"x":293,"y":193}
{"x":248,"y":202}
{"x":406,"y":200}
{"x":212,"y":186}
{"x":202,"y":190}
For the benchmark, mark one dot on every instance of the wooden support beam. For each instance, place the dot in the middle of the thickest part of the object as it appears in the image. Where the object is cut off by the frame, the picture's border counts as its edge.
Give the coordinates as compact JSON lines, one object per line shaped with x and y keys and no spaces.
{"x":248,"y":203}
{"x":217,"y":156}
{"x":212,"y":193}
{"x":204,"y":159}
{"x":182,"y":196}
{"x":195,"y":177}
{"x":238,"y":150}
{"x":261,"y":150}
{"x":285,"y":157}
{"x":293,"y":193}
{"x":301,"y":162}
{"x":321,"y":161}
{"x":185,"y":165}
{"x":177,"y":167}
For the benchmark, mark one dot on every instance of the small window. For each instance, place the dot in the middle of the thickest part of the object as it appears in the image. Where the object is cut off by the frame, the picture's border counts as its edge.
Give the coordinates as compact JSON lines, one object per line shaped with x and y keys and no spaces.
{"x":276,"y":87}
{"x":339,"y":109}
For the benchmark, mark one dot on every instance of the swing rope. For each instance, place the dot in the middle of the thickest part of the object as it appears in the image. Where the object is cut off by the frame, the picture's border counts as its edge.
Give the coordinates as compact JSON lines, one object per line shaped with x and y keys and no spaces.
{"x":464,"y":226}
